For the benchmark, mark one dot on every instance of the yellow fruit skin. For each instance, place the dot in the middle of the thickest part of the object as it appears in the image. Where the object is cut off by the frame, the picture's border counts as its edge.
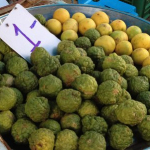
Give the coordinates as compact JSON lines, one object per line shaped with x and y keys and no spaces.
{"x":104,"y":29}
{"x":119,"y":36}
{"x":61,"y":14}
{"x":132,"y":31}
{"x":54,"y":26}
{"x":107,"y":43}
{"x":141,"y":40}
{"x":100,"y":17}
{"x":70,"y":24}
{"x":118,"y":25}
{"x":78,"y":16}
{"x":86,"y":24}
{"x":139,"y":54}
{"x":124,"y":48}
{"x":69,"y":35}
{"x":146,"y":61}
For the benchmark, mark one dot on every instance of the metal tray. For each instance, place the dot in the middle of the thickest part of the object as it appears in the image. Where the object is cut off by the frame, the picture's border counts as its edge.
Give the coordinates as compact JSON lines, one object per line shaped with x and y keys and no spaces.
{"x":88,"y":10}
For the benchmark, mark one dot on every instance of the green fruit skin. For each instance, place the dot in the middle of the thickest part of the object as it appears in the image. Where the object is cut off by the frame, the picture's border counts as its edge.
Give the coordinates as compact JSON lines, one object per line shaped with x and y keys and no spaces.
{"x":94,"y":123}
{"x":131,"y":112}
{"x":69,"y":100}
{"x":52,"y":125}
{"x":116,"y":62}
{"x":92,"y":140}
{"x":8,"y":98}
{"x":68,"y":72}
{"x":42,"y":139}
{"x":120,"y":136}
{"x":144,"y":128}
{"x":50,"y":86}
{"x":7,"y":119}
{"x":108,"y":92}
{"x":86,"y":84}
{"x":66,"y":140}
{"x":37,"y":109}
{"x":21,"y":130}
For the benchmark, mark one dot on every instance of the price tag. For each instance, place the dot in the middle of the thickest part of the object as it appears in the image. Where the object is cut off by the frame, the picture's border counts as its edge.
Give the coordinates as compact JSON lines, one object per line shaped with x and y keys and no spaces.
{"x":3,"y":3}
{"x":23,"y":33}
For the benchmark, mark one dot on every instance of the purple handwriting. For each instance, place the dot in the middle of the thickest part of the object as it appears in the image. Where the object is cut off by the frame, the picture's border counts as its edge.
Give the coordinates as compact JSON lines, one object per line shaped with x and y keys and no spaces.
{"x":17,"y":30}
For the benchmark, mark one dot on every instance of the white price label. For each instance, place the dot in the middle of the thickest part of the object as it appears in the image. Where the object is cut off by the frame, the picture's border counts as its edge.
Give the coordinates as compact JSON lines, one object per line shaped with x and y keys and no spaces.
{"x":23,"y":33}
{"x":3,"y":3}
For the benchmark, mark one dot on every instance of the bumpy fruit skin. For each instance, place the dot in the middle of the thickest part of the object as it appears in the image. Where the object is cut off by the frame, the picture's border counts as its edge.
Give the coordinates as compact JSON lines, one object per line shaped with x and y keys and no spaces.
{"x":32,"y":94}
{"x":37,"y":109}
{"x":50,"y":86}
{"x":108,"y":92}
{"x":26,"y":81}
{"x":6,"y":80}
{"x":4,"y":48}
{"x":7,"y":119}
{"x":124,"y":96}
{"x":120,"y":136}
{"x":127,"y":59}
{"x":83,"y":42}
{"x":19,"y":95}
{"x":144,"y":97}
{"x":8,"y":98}
{"x":94,"y":123}
{"x":40,"y":18}
{"x":21,"y":130}
{"x":108,"y":112}
{"x":131,"y":112}
{"x":116,"y":62}
{"x":64,"y":44}
{"x":137,"y":84}
{"x":71,"y":121}
{"x":55,"y":112}
{"x":16,"y":65}
{"x":85,"y":84}
{"x":37,"y":54}
{"x":42,"y":139}
{"x":69,"y":100}
{"x":130,"y":71}
{"x":95,"y":53}
{"x":82,"y":51}
{"x":66,"y":140}
{"x":20,"y":111}
{"x":51,"y":124}
{"x":111,"y":74}
{"x":68,"y":72}
{"x":69,"y":55}
{"x":9,"y":55}
{"x":88,"y":107}
{"x":92,"y":34}
{"x":92,"y":140}
{"x":85,"y":64}
{"x":47,"y":65}
{"x":145,"y":71}
{"x":144,"y":128}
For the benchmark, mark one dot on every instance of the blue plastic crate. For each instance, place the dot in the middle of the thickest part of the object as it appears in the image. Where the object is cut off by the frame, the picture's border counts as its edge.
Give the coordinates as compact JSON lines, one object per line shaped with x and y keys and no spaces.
{"x":116,"y":4}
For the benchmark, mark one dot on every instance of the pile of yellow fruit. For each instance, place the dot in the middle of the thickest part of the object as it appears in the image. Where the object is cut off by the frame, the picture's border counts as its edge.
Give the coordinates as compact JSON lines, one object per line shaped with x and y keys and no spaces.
{"x":115,"y":36}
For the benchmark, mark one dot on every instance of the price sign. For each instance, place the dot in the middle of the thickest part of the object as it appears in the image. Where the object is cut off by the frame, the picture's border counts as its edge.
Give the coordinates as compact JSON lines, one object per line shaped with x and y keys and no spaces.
{"x":3,"y":3}
{"x":23,"y":33}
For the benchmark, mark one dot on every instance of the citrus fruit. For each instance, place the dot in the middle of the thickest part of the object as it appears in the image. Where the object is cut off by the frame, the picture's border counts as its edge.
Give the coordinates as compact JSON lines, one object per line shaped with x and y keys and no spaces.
{"x":139,"y":55}
{"x":54,"y":26}
{"x":61,"y":14}
{"x":124,"y":48}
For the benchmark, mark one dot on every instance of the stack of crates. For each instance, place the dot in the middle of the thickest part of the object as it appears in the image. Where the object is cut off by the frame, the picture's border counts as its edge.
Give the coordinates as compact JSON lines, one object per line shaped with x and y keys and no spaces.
{"x":142,"y":7}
